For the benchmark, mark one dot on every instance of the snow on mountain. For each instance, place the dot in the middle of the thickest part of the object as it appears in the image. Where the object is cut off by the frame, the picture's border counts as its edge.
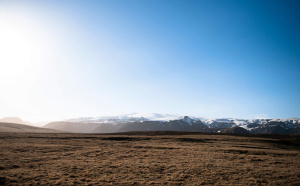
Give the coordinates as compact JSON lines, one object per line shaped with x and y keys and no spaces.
{"x":156,"y":116}
{"x":210,"y":122}
{"x":249,"y":124}
{"x":108,"y":119}
{"x":181,"y":124}
{"x":133,"y":117}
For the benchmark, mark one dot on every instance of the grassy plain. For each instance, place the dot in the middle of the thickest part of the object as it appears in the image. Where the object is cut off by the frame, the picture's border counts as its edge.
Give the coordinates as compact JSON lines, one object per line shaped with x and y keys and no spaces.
{"x":148,"y":158}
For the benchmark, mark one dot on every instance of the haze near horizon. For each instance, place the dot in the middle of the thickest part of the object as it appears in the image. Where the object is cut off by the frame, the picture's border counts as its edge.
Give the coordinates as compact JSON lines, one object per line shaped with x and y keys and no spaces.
{"x":66,"y":59}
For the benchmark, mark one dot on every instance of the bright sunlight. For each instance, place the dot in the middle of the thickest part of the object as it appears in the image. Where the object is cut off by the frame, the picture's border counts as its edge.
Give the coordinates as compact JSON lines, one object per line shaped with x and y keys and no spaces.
{"x":17,"y":49}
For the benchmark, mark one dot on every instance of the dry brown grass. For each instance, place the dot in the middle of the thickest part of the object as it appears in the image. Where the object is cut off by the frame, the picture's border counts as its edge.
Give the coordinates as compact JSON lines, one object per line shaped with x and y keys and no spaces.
{"x":84,"y":159}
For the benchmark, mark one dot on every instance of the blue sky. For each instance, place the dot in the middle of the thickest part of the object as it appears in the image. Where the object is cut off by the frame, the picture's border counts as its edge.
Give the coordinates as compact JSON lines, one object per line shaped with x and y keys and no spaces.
{"x":203,"y":58}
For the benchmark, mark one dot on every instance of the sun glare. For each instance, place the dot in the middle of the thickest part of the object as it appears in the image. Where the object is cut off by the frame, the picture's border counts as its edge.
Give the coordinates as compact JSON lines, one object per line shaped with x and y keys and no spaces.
{"x":18,"y":50}
{"x":20,"y":61}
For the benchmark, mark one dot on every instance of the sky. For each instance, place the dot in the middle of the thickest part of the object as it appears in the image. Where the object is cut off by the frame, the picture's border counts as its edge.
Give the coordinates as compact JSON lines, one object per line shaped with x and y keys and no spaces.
{"x":62,"y":59}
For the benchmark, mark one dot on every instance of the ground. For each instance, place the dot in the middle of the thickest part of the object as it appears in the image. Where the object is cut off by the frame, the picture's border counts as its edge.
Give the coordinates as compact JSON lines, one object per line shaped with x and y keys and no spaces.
{"x":148,"y":158}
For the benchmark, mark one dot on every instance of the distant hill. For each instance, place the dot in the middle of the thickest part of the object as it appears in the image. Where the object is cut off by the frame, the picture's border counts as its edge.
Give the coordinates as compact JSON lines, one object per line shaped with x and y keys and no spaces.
{"x":15,"y":120}
{"x":20,"y":128}
{"x":74,"y":127}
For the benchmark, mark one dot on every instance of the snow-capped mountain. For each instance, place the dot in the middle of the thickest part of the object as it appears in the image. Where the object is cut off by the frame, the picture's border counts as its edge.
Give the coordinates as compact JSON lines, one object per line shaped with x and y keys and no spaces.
{"x":181,"y":124}
{"x":257,"y":126}
{"x":165,"y":122}
{"x":231,"y":122}
{"x":133,"y":117}
{"x":108,"y":119}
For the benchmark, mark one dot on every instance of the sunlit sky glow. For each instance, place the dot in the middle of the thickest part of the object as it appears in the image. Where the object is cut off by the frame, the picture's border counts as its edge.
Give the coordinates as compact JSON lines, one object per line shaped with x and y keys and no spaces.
{"x":218,"y":58}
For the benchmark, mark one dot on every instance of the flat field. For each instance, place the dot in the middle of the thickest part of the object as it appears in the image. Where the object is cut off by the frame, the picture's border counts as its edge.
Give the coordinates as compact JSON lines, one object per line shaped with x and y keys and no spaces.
{"x":148,"y":158}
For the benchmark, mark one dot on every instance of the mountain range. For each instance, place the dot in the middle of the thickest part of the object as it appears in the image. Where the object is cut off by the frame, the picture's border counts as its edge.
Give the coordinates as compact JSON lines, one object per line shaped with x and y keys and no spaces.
{"x":126,"y":123}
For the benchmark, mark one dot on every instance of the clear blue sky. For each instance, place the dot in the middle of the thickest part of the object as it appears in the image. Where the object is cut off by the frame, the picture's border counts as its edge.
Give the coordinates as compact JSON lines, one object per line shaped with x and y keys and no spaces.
{"x":206,"y":58}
